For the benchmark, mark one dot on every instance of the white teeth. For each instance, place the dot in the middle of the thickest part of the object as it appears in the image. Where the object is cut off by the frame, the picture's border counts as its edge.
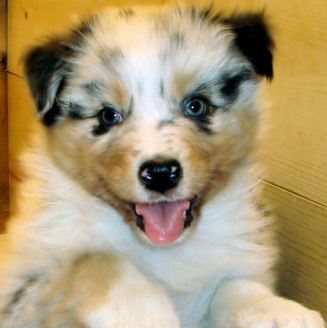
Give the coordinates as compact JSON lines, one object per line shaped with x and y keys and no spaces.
{"x":136,"y":211}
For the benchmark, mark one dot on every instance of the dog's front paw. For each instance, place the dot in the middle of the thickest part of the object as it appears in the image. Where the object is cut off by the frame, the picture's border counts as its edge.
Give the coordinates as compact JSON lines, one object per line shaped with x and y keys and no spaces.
{"x":275,"y":312}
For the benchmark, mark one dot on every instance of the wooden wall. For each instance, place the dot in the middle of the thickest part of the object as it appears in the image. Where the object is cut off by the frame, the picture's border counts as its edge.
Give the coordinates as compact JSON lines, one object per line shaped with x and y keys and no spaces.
{"x":4,"y":197}
{"x":294,"y":150}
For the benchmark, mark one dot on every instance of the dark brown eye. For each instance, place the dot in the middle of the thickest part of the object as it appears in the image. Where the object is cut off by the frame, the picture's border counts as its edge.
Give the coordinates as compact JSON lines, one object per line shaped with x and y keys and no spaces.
{"x":108,"y":116}
{"x":195,"y":107}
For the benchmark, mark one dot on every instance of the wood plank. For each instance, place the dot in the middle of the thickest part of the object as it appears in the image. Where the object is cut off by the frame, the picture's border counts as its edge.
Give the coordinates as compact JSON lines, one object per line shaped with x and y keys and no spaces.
{"x":295,"y":149}
{"x":3,"y":26}
{"x":302,"y":233}
{"x":4,"y":200}
{"x":22,"y":126}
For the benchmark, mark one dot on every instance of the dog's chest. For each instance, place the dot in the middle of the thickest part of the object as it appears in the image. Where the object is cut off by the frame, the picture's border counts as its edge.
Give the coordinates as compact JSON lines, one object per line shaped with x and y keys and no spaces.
{"x":191,"y":286}
{"x":193,"y":308}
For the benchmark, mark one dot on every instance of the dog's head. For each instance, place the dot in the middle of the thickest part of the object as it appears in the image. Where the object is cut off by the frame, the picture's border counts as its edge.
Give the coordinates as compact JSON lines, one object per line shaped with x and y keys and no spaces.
{"x":152,"y":110}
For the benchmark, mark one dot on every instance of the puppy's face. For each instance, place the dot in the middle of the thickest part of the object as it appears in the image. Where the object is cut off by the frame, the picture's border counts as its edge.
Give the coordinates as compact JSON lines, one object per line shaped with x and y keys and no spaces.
{"x":152,"y":110}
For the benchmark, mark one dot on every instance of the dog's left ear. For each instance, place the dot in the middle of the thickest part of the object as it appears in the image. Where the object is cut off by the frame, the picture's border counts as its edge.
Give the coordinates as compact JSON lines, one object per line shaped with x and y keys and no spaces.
{"x":45,"y":68}
{"x":253,"y":39}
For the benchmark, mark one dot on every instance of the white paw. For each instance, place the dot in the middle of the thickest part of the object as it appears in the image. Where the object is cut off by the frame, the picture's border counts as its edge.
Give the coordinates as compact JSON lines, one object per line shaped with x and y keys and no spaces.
{"x":275,"y":312}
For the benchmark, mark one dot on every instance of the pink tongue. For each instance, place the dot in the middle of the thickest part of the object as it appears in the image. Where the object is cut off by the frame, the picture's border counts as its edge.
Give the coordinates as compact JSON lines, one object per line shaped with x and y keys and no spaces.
{"x":163,"y":222}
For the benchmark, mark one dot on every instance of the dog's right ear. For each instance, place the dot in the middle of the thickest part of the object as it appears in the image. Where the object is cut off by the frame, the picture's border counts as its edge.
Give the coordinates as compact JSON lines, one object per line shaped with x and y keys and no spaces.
{"x":45,"y":68}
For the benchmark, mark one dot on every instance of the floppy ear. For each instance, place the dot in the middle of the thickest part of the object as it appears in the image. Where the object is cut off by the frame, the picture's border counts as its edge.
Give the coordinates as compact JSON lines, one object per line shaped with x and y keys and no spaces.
{"x":45,"y":68}
{"x":253,"y":39}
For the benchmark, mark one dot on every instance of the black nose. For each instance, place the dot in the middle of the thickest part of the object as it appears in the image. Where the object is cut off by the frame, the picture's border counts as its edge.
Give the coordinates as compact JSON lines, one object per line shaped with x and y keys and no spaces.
{"x":160,"y":176}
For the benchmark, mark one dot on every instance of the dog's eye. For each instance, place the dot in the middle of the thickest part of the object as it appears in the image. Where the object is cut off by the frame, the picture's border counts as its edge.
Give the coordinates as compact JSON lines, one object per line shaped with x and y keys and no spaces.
{"x":195,"y":107}
{"x":108,"y":116}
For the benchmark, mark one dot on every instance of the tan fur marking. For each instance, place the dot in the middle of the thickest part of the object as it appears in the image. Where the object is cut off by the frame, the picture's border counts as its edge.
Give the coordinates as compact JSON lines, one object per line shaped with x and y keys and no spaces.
{"x":92,"y":278}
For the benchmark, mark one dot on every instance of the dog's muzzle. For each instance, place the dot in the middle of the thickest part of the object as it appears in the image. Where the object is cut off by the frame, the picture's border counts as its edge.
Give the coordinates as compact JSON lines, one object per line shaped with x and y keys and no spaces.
{"x":162,"y":222}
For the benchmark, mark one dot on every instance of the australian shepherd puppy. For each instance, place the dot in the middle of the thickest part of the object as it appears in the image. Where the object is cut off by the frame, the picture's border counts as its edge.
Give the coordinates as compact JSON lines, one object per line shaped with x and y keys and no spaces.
{"x":139,"y":210}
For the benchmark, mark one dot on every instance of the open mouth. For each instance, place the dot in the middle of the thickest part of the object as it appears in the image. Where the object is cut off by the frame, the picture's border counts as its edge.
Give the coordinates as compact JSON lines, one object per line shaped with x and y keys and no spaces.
{"x":164,"y":222}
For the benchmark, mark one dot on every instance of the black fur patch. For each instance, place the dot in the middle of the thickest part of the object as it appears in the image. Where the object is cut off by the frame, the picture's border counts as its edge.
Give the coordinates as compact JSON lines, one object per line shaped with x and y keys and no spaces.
{"x":47,"y":67}
{"x":44,"y":68}
{"x":230,"y":83}
{"x":77,"y":111}
{"x":203,"y":124}
{"x":99,"y":130}
{"x":254,"y":41}
{"x":53,"y":115}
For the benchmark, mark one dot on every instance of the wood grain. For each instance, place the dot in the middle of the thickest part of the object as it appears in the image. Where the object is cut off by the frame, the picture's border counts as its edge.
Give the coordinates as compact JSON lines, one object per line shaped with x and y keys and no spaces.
{"x":302,"y":232}
{"x":3,"y":27}
{"x":295,"y":150}
{"x":4,"y":198}
{"x":22,"y":125}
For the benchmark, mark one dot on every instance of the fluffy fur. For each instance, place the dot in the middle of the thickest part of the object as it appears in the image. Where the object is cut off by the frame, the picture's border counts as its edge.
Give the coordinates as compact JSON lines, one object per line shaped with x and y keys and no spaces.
{"x":115,"y":93}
